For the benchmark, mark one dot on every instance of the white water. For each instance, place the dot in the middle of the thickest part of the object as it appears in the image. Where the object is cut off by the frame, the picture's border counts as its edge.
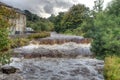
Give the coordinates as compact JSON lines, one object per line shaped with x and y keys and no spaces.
{"x":59,"y":69}
{"x":64,"y":49}
{"x":45,"y":68}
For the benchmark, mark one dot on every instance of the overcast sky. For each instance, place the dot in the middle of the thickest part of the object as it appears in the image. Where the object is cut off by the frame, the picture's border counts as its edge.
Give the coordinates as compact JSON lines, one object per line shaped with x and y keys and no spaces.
{"x":44,"y":8}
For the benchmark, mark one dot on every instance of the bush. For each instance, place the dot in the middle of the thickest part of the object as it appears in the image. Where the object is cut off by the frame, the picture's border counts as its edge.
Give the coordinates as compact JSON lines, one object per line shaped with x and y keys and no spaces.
{"x":5,"y":57}
{"x":39,"y":35}
{"x":112,"y":68}
{"x":18,"y":42}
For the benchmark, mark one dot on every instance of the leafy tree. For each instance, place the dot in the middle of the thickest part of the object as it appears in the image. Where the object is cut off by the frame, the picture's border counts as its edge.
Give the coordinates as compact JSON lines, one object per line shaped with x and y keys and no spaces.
{"x":74,"y":17}
{"x":31,"y":17}
{"x":57,"y":21}
{"x":114,"y":8}
{"x":52,"y":18}
{"x":38,"y":23}
{"x":105,"y":33}
{"x":98,"y":7}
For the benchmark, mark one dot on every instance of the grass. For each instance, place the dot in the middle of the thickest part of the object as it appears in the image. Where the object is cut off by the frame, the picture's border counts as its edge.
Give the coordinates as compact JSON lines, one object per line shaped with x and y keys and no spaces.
{"x":18,"y":42}
{"x":22,"y":41}
{"x":112,"y":68}
{"x":39,"y":35}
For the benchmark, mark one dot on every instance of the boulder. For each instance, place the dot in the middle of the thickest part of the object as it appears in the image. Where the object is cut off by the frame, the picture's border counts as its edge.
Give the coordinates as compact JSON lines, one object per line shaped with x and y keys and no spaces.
{"x":6,"y":69}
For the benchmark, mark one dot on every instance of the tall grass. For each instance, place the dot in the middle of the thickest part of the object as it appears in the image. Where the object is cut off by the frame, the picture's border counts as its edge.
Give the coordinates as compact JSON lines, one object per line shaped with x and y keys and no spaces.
{"x":39,"y":35}
{"x":112,"y":68}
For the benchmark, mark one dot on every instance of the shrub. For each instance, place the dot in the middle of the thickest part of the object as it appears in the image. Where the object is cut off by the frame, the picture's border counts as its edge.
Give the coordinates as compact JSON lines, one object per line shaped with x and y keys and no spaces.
{"x":5,"y":57}
{"x":18,"y":42}
{"x":39,"y":35}
{"x":112,"y":68}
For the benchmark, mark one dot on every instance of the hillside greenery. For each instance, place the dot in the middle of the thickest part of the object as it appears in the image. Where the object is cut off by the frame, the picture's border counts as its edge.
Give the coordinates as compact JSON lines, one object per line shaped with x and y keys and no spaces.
{"x":38,"y":23}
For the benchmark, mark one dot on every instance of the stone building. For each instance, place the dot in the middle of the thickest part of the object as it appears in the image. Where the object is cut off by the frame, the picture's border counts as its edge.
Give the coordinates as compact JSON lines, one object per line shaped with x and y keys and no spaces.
{"x":19,"y":23}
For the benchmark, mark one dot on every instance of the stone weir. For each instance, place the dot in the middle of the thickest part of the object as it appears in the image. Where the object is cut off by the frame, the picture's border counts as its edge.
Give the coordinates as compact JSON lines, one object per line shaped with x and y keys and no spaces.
{"x":57,"y":45}
{"x":52,"y":41}
{"x":58,"y":57}
{"x":61,"y":39}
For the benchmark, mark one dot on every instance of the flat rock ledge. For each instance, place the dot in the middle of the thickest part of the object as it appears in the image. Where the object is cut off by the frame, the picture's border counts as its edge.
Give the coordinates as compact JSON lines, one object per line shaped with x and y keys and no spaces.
{"x":56,"y":69}
{"x":70,"y":50}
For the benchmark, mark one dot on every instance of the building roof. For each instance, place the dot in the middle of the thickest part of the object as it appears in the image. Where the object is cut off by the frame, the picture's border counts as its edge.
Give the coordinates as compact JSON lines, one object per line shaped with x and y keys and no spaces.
{"x":16,"y":9}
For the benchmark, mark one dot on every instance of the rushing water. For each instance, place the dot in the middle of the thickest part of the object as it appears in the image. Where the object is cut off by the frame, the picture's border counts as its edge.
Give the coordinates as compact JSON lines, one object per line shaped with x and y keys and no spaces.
{"x":59,"y":69}
{"x":56,"y":62}
{"x":67,"y":49}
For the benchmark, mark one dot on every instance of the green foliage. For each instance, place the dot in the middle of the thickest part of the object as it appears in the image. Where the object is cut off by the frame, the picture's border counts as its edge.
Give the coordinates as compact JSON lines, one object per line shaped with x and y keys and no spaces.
{"x":105,"y":33}
{"x":5,"y":15}
{"x":68,"y":21}
{"x":18,"y":42}
{"x":57,"y":21}
{"x":112,"y":68}
{"x":31,"y":17}
{"x":39,"y":35}
{"x":98,"y":5}
{"x":74,"y":17}
{"x":5,"y":57}
{"x":114,"y":8}
{"x":38,"y":23}
{"x":4,"y":40}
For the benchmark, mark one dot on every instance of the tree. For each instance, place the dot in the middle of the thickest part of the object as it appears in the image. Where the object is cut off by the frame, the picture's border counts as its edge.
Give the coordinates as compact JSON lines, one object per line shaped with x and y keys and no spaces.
{"x":105,"y":32}
{"x":57,"y":22}
{"x":37,"y":23}
{"x":114,"y":8}
{"x":105,"y":35}
{"x":74,"y":17}
{"x":98,"y":7}
{"x":31,"y":17}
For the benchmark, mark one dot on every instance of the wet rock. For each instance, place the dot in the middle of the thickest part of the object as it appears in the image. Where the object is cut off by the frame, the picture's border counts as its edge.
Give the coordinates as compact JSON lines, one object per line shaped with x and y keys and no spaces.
{"x":6,"y":69}
{"x":60,"y":69}
{"x":11,"y":77}
{"x":65,"y":50}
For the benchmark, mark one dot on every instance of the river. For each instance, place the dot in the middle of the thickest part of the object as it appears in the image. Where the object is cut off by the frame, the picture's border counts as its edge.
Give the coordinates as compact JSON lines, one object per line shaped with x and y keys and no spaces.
{"x":65,"y":61}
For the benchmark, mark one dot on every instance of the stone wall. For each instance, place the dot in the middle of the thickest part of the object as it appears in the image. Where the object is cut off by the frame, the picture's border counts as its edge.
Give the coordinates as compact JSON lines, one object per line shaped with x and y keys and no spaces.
{"x":18,"y":24}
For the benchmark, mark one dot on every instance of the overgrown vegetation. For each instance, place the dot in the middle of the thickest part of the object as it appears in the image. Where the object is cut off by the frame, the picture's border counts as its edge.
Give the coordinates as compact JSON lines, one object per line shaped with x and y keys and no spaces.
{"x":5,"y":57}
{"x":18,"y":42}
{"x":25,"y":39}
{"x":112,"y":68}
{"x":5,"y":15}
{"x":39,"y":35}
